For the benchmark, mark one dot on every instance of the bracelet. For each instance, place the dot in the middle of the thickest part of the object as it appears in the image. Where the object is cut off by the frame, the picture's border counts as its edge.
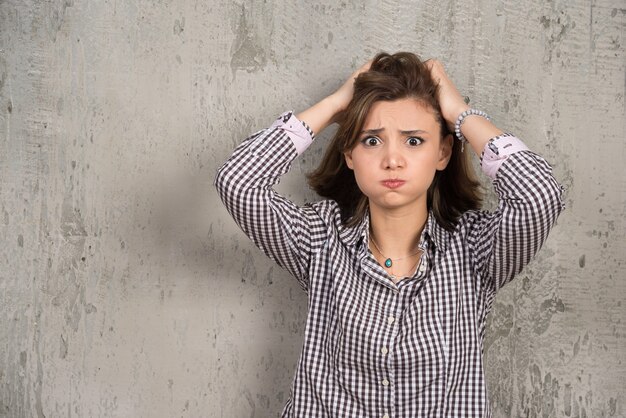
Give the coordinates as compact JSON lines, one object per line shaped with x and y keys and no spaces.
{"x":461,"y":118}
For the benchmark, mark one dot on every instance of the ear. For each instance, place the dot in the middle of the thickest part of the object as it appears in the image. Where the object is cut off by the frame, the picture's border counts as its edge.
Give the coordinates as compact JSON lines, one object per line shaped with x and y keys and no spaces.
{"x":445,"y":152}
{"x":348,"y":157}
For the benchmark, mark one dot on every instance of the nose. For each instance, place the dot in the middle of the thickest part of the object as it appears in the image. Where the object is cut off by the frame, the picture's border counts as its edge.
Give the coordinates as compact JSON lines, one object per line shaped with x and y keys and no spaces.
{"x":393,"y":157}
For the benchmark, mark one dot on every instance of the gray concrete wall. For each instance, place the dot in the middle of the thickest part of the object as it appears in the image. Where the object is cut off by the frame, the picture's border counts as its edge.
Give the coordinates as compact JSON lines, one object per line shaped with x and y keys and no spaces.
{"x":127,"y":291}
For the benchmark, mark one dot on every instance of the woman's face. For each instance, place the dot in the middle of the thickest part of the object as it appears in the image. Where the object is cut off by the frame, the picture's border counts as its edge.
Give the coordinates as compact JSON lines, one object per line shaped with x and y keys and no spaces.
{"x":400,"y":140}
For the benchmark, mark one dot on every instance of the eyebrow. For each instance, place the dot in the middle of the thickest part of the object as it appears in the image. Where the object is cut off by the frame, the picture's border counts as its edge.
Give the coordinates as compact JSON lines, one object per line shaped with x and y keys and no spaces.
{"x":379,"y":130}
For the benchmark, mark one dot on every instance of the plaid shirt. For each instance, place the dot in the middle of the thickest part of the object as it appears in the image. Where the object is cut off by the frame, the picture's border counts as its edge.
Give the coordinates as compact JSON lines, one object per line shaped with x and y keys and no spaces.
{"x":373,"y":348}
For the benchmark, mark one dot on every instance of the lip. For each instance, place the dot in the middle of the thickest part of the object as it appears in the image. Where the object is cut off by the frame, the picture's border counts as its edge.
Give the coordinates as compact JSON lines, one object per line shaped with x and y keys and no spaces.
{"x":393,"y":183}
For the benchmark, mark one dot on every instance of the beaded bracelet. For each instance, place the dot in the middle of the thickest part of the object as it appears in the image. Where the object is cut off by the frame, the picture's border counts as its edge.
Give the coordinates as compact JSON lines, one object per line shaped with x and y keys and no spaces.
{"x":461,"y":118}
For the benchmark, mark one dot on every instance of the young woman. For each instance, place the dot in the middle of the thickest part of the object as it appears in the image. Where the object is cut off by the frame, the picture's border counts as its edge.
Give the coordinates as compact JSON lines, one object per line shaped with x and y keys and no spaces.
{"x":399,"y":263}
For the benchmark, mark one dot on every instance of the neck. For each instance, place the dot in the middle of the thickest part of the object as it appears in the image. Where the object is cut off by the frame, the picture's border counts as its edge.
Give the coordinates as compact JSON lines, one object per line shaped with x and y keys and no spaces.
{"x":398,"y":232}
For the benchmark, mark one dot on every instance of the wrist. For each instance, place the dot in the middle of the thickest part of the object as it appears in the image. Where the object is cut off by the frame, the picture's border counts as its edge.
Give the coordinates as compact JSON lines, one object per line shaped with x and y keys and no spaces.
{"x":320,"y":115}
{"x":454,"y":114}
{"x":335,"y":103}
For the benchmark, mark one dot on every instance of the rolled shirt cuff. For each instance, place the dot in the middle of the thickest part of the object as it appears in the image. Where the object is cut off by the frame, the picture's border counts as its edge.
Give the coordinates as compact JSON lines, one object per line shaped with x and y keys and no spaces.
{"x":497,"y":150}
{"x":494,"y":154}
{"x":298,"y":131}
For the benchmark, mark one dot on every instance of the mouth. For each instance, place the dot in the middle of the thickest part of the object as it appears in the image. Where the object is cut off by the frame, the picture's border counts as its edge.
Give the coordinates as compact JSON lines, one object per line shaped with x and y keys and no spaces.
{"x":393,"y":183}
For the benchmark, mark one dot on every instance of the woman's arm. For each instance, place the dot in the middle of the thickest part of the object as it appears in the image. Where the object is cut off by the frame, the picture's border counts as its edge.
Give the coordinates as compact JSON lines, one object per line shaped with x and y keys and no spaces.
{"x":286,"y":233}
{"x":504,"y":241}
{"x":328,"y":110}
{"x":529,"y":197}
{"x":476,"y":129}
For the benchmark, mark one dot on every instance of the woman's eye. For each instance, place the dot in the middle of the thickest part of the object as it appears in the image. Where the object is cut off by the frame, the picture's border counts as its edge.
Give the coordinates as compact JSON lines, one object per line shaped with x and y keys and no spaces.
{"x":414,"y":141}
{"x":370,"y":141}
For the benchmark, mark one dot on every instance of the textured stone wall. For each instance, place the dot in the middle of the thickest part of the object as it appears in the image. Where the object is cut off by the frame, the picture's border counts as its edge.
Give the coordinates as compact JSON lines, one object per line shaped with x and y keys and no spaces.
{"x":127,"y":291}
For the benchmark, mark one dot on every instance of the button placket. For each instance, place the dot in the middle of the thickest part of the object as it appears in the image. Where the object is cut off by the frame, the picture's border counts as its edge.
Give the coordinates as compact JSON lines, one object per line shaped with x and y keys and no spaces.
{"x":385,"y":350}
{"x":423,"y":265}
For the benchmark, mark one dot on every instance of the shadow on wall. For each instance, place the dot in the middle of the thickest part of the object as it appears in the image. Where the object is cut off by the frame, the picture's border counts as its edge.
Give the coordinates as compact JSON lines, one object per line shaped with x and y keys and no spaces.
{"x":177,"y":209}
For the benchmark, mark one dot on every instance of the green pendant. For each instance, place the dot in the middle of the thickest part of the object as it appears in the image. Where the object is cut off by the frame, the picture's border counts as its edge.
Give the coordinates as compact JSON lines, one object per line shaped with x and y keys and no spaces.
{"x":388,"y":262}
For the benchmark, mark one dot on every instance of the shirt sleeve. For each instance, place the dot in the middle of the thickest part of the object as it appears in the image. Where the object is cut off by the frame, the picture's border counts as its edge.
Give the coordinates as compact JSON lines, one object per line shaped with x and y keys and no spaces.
{"x":529,"y":202}
{"x":497,"y":150}
{"x":285,"y":232}
{"x":298,"y":131}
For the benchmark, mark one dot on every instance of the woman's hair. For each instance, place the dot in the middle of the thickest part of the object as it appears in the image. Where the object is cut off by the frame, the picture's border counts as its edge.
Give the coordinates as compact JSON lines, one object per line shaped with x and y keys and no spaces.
{"x":391,"y":77}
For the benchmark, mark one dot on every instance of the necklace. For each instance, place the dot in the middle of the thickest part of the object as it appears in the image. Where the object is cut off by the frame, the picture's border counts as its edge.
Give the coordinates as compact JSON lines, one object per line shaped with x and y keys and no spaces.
{"x":389,"y":261}
{"x":410,"y":270}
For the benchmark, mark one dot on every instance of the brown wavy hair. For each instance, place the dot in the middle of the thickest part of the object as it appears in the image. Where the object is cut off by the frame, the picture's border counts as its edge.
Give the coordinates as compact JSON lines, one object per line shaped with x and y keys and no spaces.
{"x":453,"y":191}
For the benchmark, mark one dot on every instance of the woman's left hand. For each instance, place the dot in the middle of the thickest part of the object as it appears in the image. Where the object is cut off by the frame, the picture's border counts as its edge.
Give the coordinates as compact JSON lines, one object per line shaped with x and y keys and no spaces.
{"x":450,"y":100}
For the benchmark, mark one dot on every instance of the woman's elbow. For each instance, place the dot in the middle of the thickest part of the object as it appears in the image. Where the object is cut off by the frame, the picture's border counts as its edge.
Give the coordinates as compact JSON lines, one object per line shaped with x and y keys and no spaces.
{"x":222,"y":181}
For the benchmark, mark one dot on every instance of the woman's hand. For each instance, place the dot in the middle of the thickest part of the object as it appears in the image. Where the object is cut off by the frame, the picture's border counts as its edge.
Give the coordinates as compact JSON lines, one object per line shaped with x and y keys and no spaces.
{"x":331,"y":109}
{"x":477,"y":130}
{"x":344,"y":94}
{"x":450,"y":100}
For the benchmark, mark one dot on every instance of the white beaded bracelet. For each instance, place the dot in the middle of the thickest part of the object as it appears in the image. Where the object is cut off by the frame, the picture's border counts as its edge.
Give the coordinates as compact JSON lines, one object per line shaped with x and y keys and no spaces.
{"x":461,"y":118}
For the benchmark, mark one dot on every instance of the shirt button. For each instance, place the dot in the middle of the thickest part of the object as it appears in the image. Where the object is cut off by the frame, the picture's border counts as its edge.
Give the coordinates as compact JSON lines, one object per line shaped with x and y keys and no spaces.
{"x":391,"y":319}
{"x":384,"y":350}
{"x":422,"y":267}
{"x":386,"y":416}
{"x":385,"y":382}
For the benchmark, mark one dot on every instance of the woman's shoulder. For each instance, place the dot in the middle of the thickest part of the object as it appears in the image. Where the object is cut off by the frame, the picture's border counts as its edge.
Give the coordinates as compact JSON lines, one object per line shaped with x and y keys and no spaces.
{"x":472,"y":219}
{"x":327,"y":209}
{"x":330,"y":214}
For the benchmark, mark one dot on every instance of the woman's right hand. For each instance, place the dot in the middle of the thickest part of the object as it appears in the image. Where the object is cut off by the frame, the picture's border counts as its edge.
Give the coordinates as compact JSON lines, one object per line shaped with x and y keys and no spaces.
{"x":331,"y":108}
{"x":344,"y":94}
